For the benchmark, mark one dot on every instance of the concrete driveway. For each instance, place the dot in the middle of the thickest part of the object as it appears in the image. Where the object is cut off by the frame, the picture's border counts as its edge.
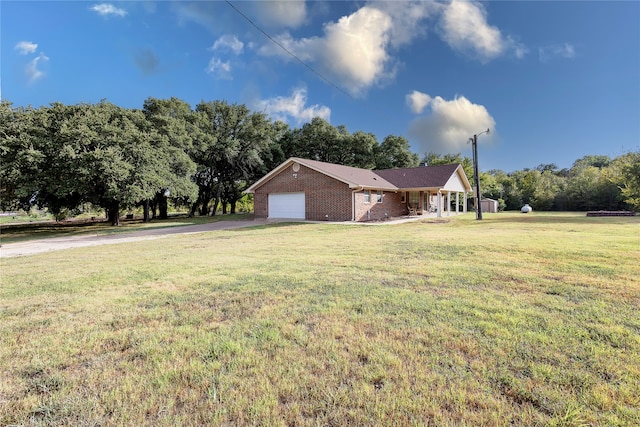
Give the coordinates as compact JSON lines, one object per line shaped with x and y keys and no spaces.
{"x":32,"y":247}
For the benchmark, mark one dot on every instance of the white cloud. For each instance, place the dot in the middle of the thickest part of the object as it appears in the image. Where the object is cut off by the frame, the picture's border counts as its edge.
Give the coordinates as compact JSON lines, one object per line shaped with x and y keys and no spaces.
{"x":352,"y":53}
{"x":220,"y":68}
{"x":564,"y":50}
{"x":417,"y":101}
{"x":357,"y":51}
{"x":25,"y":48}
{"x":449,"y":125}
{"x":278,"y":14}
{"x":33,"y":71}
{"x":519,"y":49}
{"x":199,"y":12}
{"x":407,"y":18}
{"x":294,"y":107}
{"x":303,"y":48}
{"x":228,"y":43}
{"x":106,"y":9}
{"x":465,"y":28}
{"x":355,"y":48}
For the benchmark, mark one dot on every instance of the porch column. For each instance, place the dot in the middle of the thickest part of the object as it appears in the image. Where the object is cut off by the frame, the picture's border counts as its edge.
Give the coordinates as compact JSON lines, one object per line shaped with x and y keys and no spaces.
{"x":448,"y":203}
{"x":464,"y":203}
{"x":457,"y":202}
{"x":439,"y":204}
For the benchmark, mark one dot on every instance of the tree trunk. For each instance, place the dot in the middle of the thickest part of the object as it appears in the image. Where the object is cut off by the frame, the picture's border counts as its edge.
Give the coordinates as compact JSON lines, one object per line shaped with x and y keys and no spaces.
{"x":204,"y":209}
{"x":217,"y":199}
{"x":195,"y":205}
{"x":114,"y":214}
{"x":152,"y":207}
{"x":163,"y":207}
{"x":145,"y":207}
{"x":194,"y":208}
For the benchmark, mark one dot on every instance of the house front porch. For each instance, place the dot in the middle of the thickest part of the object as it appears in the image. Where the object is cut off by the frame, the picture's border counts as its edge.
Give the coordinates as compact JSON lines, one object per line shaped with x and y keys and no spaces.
{"x":435,"y":202}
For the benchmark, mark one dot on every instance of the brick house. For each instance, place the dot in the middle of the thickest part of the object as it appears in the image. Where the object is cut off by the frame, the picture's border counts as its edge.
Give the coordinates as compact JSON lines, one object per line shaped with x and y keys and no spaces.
{"x":319,"y":191}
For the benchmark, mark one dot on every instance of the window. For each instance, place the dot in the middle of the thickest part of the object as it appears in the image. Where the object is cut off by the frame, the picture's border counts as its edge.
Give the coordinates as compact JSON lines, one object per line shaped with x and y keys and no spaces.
{"x":404,"y":197}
{"x":379,"y":194}
{"x":367,"y":196}
{"x":414,"y":199}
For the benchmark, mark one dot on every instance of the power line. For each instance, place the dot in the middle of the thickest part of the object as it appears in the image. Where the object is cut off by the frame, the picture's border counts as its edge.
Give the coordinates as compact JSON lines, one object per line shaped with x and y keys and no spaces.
{"x":281,"y":46}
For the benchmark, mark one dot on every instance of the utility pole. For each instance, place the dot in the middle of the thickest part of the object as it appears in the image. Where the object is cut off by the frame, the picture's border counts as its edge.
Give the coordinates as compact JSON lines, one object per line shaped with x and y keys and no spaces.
{"x":476,"y":175}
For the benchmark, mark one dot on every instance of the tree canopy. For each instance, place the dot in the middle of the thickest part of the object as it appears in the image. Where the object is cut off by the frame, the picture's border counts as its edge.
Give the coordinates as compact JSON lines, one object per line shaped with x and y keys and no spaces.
{"x":62,"y":156}
{"x":592,"y":183}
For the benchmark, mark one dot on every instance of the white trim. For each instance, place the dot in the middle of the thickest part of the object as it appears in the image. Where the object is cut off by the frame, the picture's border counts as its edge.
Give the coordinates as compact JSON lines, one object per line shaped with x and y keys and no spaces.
{"x":456,"y":181}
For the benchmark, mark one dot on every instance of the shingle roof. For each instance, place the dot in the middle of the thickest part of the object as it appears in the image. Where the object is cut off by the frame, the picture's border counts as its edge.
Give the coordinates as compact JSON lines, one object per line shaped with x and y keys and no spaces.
{"x":435,"y":176}
{"x":355,"y":177}
{"x":420,"y":177}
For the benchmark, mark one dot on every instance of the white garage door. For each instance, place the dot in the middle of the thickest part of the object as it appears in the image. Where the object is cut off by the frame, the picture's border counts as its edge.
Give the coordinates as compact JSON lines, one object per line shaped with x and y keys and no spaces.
{"x":286,"y":205}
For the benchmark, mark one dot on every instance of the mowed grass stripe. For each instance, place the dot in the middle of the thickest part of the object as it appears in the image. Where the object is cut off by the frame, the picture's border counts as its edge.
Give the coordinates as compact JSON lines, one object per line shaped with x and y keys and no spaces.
{"x":518,"y":319}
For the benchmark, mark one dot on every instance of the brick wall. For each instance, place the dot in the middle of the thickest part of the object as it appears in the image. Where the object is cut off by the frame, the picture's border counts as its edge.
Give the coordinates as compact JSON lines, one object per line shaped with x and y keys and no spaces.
{"x":391,"y":206}
{"x":260,"y":202}
{"x":326,"y":199}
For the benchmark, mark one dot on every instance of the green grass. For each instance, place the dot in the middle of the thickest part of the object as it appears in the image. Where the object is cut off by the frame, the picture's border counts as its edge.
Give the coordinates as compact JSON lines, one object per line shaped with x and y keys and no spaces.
{"x":513,"y":320}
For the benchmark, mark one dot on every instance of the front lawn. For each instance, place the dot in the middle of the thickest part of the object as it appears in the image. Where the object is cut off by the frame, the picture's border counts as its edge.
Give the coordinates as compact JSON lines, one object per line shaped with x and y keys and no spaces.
{"x":514,"y":320}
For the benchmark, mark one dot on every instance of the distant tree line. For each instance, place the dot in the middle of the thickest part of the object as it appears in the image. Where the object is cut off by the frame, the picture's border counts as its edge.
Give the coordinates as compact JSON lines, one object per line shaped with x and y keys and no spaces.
{"x":60,"y":156}
{"x":591,"y":183}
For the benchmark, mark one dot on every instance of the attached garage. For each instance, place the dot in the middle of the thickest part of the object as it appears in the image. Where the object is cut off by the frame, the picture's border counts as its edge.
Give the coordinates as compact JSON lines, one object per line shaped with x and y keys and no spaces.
{"x":311,"y":190}
{"x":287,"y":205}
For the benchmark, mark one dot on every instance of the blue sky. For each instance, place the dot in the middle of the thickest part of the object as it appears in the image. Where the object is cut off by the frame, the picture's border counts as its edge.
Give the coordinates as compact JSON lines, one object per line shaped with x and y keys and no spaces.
{"x":554,"y":81}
